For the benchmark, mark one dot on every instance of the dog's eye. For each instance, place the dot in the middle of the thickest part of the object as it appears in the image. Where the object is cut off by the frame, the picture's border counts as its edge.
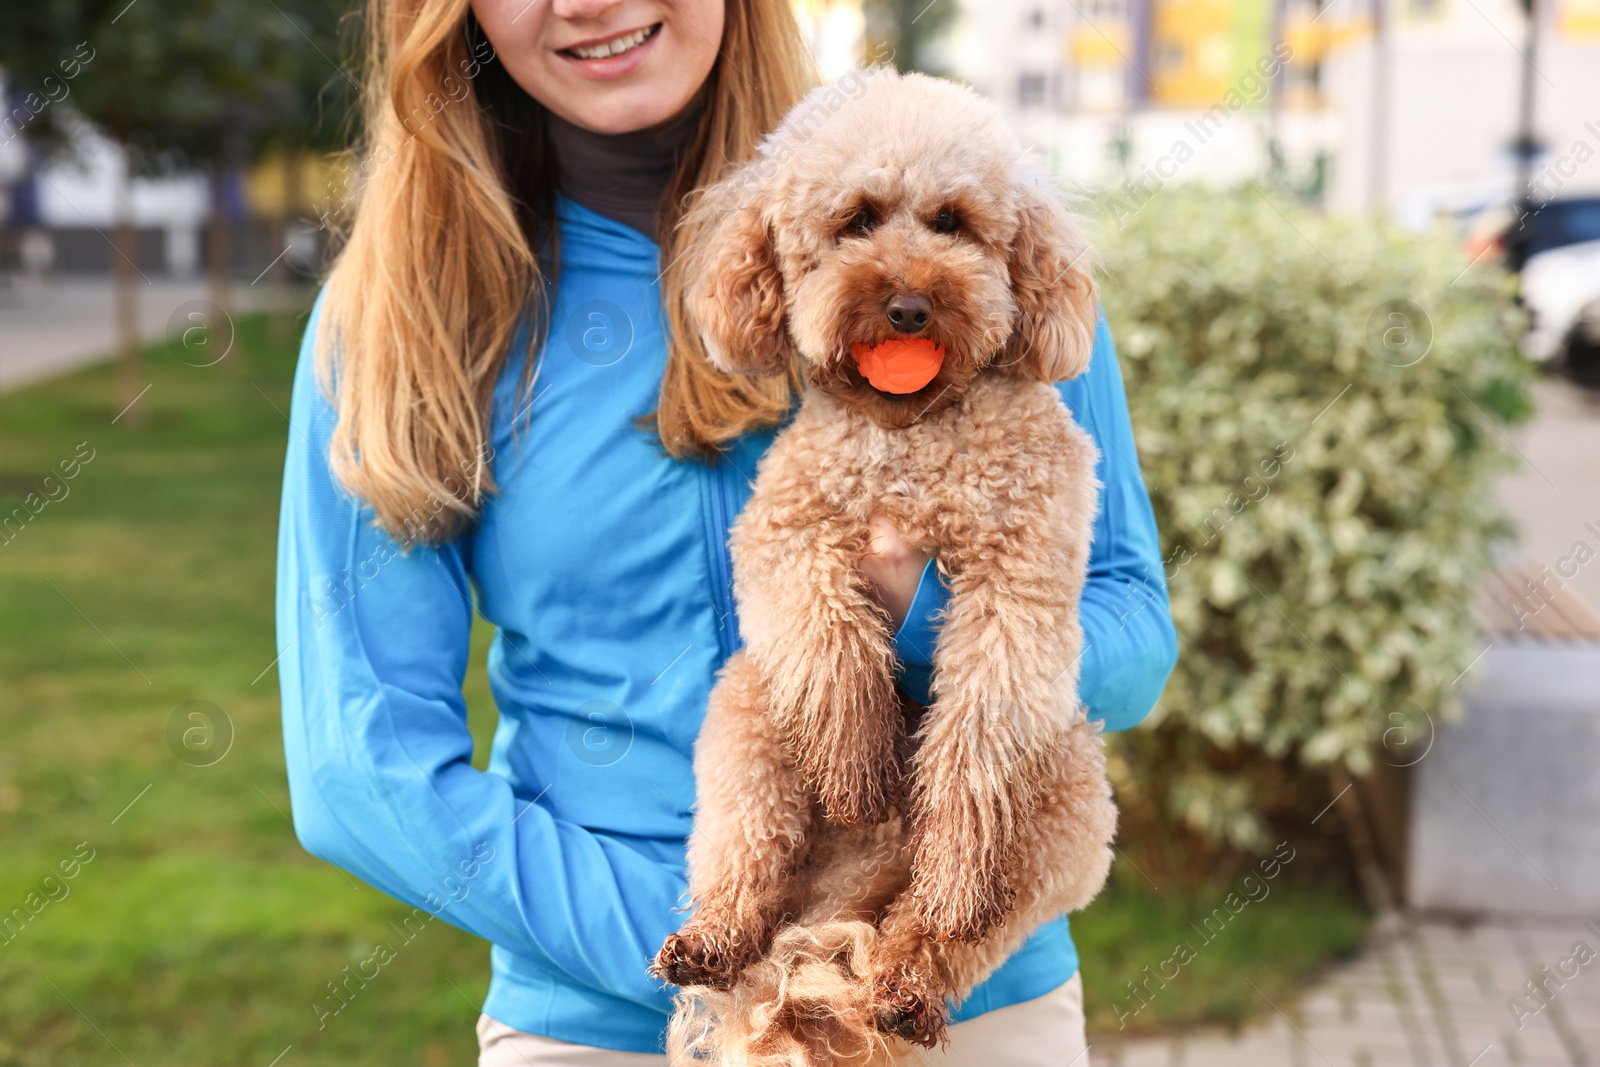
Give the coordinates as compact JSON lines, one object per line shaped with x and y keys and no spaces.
{"x":861,"y":222}
{"x":946,"y":222}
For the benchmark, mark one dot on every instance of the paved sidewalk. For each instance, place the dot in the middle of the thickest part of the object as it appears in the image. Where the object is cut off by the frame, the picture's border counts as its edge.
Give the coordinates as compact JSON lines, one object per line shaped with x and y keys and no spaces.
{"x":1424,"y":994}
{"x":1555,"y":493}
{"x":55,"y":327}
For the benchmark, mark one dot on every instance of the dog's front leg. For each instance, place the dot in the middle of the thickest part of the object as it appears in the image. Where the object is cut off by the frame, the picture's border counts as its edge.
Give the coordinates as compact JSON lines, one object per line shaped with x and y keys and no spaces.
{"x":1005,"y":692}
{"x":824,"y":651}
{"x":1063,"y":857}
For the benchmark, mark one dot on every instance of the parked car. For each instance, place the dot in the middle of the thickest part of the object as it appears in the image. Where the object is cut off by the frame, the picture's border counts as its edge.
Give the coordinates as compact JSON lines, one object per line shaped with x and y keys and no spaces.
{"x":1557,"y":286}
{"x":1556,"y":250}
{"x":1580,"y":354}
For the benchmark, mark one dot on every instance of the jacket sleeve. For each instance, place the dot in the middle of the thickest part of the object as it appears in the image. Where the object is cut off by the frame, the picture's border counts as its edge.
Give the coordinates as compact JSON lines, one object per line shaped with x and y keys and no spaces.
{"x":374,"y":645}
{"x":1130,"y":645}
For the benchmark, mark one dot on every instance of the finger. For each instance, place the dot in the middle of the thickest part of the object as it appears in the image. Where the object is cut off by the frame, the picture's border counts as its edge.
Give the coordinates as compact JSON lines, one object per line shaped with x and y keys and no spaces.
{"x":883,"y":537}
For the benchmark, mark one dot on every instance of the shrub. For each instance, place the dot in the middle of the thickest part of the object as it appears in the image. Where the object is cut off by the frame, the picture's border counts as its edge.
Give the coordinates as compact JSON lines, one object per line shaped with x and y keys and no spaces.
{"x":1319,"y":407}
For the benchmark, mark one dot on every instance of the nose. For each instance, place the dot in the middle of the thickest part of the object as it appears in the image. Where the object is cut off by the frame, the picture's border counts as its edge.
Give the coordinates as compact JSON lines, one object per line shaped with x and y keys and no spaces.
{"x":909,"y":312}
{"x":581,"y":9}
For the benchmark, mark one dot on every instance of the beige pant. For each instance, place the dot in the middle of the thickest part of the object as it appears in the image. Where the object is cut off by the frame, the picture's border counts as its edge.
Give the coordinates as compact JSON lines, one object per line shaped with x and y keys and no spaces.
{"x":1047,"y":1032}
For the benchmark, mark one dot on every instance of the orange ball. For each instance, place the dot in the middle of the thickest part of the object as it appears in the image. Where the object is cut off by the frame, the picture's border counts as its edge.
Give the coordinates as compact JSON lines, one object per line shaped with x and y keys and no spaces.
{"x":899,"y":365}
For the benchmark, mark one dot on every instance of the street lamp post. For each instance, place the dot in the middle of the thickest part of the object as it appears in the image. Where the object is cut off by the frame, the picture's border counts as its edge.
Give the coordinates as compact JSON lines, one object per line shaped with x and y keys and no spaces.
{"x":1525,"y":147}
{"x":1378,"y":161}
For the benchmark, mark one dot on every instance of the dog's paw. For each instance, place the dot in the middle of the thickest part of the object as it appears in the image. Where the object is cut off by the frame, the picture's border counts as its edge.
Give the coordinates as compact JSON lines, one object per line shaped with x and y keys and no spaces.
{"x":690,"y":958}
{"x":906,"y":1013}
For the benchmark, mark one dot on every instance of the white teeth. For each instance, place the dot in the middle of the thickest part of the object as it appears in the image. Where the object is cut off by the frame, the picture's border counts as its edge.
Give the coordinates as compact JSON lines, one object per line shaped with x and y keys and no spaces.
{"x":616,"y":47}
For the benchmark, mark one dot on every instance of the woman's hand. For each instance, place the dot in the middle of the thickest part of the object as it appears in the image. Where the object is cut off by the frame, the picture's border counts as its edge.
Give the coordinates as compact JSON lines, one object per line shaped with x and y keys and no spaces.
{"x":891,"y":567}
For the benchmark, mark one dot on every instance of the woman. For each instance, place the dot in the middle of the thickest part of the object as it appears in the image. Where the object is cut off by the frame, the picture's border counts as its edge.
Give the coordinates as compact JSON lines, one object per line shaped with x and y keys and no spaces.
{"x":498,"y":393}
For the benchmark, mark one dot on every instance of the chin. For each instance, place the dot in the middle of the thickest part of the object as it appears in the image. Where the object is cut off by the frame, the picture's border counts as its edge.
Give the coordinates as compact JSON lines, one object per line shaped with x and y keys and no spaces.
{"x":627,"y":108}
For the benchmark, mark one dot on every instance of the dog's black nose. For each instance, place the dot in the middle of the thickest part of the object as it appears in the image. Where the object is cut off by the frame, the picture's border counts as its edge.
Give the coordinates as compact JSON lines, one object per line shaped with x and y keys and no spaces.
{"x":909,"y":312}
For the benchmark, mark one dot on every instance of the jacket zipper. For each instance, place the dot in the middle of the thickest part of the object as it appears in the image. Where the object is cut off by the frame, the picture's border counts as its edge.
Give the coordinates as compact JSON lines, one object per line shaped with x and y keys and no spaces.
{"x":727,"y":625}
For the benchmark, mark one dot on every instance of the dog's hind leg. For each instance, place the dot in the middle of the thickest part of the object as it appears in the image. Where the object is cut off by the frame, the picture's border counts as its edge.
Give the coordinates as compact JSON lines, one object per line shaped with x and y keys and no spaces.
{"x":752,"y":827}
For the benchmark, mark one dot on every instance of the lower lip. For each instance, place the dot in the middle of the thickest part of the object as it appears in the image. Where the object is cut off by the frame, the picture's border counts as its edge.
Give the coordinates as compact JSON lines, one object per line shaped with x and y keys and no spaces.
{"x":612,"y":67}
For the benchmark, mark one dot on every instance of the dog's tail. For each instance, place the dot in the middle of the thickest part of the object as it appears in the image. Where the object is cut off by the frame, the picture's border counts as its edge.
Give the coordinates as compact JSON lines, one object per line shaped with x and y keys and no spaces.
{"x":806,"y":1004}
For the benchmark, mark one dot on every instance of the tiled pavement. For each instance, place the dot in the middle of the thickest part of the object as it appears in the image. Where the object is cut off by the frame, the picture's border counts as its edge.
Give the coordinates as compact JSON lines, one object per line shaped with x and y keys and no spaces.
{"x":1425,"y":993}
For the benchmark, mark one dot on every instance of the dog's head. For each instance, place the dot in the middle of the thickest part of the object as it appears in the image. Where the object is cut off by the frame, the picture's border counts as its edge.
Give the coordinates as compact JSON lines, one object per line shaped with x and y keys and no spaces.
{"x":891,"y":207}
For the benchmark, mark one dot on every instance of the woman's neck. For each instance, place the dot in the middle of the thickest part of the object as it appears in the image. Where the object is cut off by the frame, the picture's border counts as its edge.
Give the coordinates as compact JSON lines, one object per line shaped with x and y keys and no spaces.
{"x":622,"y":176}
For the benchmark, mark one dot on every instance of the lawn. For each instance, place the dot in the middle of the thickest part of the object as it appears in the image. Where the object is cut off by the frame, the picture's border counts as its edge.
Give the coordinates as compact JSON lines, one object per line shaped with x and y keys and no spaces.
{"x":171,"y":916}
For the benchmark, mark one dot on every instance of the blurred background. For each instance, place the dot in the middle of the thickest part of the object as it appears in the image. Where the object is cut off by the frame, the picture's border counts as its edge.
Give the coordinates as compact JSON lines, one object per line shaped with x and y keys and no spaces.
{"x":1351,"y":258}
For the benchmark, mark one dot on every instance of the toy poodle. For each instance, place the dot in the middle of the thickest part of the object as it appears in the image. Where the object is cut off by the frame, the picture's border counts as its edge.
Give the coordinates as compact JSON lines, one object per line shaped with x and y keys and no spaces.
{"x":858,"y":860}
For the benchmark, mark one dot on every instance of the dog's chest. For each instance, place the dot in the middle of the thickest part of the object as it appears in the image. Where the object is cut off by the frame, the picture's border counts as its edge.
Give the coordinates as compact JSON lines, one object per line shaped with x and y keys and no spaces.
{"x":1002,"y":443}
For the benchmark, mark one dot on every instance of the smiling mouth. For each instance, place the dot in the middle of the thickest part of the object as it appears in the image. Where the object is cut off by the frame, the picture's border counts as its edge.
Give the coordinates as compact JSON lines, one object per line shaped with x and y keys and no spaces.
{"x":616,"y":46}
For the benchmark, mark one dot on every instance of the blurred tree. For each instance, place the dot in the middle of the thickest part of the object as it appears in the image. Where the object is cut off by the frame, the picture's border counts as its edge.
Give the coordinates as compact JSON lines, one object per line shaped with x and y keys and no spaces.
{"x":179,"y":85}
{"x":906,"y":30}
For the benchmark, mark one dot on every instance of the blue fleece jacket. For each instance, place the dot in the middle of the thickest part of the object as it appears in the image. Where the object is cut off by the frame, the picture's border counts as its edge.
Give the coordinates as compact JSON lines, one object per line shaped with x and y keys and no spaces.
{"x":603,"y":564}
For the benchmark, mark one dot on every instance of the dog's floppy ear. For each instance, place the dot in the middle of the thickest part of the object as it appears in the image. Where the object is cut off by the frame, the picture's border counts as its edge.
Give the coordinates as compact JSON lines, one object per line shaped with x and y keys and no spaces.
{"x":1053,"y":285}
{"x":735,"y":290}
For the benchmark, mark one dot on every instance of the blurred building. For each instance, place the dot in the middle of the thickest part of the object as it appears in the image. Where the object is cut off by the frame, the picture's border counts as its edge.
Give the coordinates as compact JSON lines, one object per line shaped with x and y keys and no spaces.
{"x":1406,"y":104}
{"x":57,"y":213}
{"x":1429,"y":104}
{"x":67,"y":208}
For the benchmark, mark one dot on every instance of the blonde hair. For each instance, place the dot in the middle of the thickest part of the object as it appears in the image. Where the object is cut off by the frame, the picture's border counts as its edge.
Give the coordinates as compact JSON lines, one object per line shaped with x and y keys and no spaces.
{"x":441,"y":263}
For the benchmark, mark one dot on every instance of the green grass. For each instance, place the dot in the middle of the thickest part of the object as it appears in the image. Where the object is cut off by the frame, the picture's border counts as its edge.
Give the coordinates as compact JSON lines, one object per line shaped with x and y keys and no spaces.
{"x":1133,"y":935}
{"x":200,"y":932}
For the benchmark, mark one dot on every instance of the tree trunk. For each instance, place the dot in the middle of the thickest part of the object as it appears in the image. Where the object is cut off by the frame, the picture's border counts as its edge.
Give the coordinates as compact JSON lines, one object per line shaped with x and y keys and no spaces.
{"x":1377,"y":884}
{"x":293,"y":199}
{"x":219,"y":251}
{"x":282,"y":322}
{"x":124,"y":272}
